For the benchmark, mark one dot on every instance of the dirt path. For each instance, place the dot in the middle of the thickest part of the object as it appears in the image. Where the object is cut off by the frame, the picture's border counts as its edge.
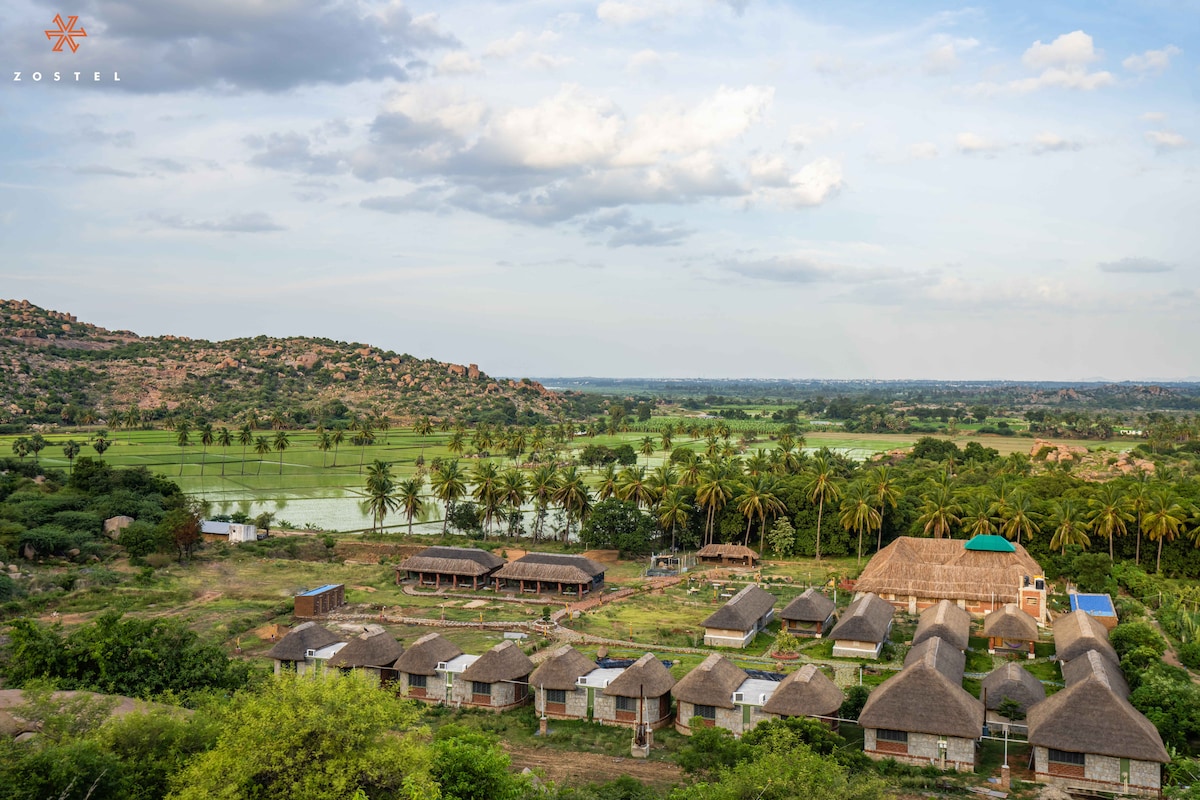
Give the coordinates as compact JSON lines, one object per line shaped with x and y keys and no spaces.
{"x":573,"y":769}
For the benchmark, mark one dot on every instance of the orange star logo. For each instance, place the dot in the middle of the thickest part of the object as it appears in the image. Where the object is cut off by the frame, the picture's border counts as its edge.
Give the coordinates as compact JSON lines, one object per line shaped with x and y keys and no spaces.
{"x":65,"y":33}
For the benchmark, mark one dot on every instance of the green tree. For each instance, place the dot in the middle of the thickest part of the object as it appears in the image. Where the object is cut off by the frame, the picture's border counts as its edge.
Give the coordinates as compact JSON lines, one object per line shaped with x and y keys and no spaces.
{"x":543,"y":483}
{"x":782,"y":537}
{"x":181,"y":526}
{"x":449,"y":487}
{"x":245,"y":439}
{"x":484,"y":478}
{"x":574,"y":497}
{"x":672,"y":512}
{"x":822,"y":485}
{"x":224,"y":440}
{"x":1163,"y":520}
{"x":183,"y":437}
{"x":409,"y":494}
{"x":512,"y":489}
{"x":37,"y":443}
{"x":632,"y":485}
{"x":939,"y":512}
{"x":101,"y":444}
{"x":71,"y":449}
{"x":338,"y":436}
{"x":1070,"y":526}
{"x":313,"y":738}
{"x":206,"y":440}
{"x":281,"y":443}
{"x":381,"y":493}
{"x":758,"y":498}
{"x":1110,"y":513}
{"x":469,"y":765}
{"x":20,"y":448}
{"x":324,"y":444}
{"x":1019,"y":518}
{"x":713,"y":490}
{"x":859,"y":513}
{"x":646,"y":447}
{"x":262,"y":446}
{"x":618,"y":525}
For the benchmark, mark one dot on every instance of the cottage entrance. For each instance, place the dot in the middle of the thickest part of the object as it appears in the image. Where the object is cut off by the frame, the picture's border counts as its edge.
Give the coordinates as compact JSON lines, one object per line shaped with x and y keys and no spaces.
{"x":591,"y":702}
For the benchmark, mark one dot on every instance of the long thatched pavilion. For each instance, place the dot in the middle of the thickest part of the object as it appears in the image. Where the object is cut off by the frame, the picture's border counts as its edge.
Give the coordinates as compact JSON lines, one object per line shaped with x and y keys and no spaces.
{"x":555,"y":572}
{"x":450,"y":566}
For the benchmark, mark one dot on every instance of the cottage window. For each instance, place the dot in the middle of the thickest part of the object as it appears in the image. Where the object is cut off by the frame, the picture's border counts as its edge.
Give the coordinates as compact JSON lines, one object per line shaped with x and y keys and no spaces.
{"x":626,"y":704}
{"x":706,"y":712}
{"x":479,"y":687}
{"x":886,"y":735}
{"x":418,"y":681}
{"x":556,"y":696}
{"x":1066,"y":757}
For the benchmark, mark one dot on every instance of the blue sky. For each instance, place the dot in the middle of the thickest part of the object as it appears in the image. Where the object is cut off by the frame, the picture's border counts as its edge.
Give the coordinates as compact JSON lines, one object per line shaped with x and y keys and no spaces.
{"x":653,"y":188}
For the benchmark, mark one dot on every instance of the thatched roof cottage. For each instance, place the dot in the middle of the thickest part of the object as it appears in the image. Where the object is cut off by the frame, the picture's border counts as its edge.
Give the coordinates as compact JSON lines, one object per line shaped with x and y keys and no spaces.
{"x":646,"y":683}
{"x":1010,"y":682}
{"x":1092,"y":663}
{"x":1010,"y":630}
{"x":982,"y":574}
{"x":810,"y":614}
{"x":807,"y":692}
{"x":417,"y":674}
{"x":730,"y":555}
{"x":947,"y":622}
{"x":374,"y":652}
{"x":555,"y":683}
{"x":551,"y":572}
{"x":736,"y":623}
{"x":452,"y":566}
{"x":922,"y":715}
{"x":863,"y":627}
{"x":498,"y":680}
{"x":1078,"y":632}
{"x":707,"y":692}
{"x":306,"y":647}
{"x":1088,"y":739}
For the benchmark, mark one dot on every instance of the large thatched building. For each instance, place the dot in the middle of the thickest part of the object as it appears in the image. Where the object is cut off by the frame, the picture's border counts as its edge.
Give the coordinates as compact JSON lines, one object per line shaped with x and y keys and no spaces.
{"x":1010,"y":630}
{"x":945,"y":621}
{"x":810,"y":614}
{"x":1088,"y":739}
{"x":306,"y":648}
{"x":450,"y":566}
{"x":373,"y":652}
{"x":551,"y":572}
{"x":730,"y":555}
{"x":807,"y":692}
{"x":417,"y":669}
{"x":922,"y":715}
{"x":980,"y":575}
{"x":1078,"y":632}
{"x":497,"y":680}
{"x":736,"y":623}
{"x":1010,"y":682}
{"x":863,"y":628}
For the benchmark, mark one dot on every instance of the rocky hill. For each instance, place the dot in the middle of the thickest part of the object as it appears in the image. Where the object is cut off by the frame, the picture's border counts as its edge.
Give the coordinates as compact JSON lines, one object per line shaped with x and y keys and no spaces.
{"x":54,"y":369}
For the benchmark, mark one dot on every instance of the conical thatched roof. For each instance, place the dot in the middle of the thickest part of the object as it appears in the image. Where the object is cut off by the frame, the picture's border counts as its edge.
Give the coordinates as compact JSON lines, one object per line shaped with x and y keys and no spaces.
{"x":560,"y":671}
{"x":1010,"y":623}
{"x":945,"y":621}
{"x":711,"y":684}
{"x":946,"y":569}
{"x":468,"y":561}
{"x":379,"y":650}
{"x":1012,"y":682}
{"x":551,"y":568}
{"x":808,"y":692}
{"x":302,"y":638}
{"x":742,"y":611}
{"x":647,"y":675}
{"x":812,"y":606}
{"x":423,"y":655}
{"x":1090,"y":718}
{"x":1092,"y":664}
{"x":937,"y":653}
{"x":920,"y":699}
{"x":504,"y":662}
{"x":867,"y":619}
{"x":1078,"y":632}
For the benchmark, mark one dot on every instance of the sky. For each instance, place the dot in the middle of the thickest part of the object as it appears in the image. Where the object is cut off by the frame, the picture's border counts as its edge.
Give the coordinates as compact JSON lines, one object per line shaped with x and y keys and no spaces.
{"x":653,"y":188}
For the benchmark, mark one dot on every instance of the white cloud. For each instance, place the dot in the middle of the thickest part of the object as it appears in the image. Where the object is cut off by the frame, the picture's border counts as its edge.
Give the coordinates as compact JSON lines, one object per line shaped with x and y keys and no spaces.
{"x":617,"y":12}
{"x":1154,"y":116}
{"x":1164,"y":141}
{"x":973,"y":144}
{"x":769,"y":170}
{"x":1063,"y":64}
{"x":719,"y":118}
{"x":1071,"y":50}
{"x":1151,"y":62}
{"x":805,"y":134}
{"x":1135,"y":265}
{"x":1053,"y":143}
{"x":518,"y":42}
{"x":923,"y":151}
{"x":645,"y":60}
{"x":944,"y":58}
{"x":458,"y":63}
{"x":814,"y":184}
{"x":545,"y":61}
{"x":572,"y":128}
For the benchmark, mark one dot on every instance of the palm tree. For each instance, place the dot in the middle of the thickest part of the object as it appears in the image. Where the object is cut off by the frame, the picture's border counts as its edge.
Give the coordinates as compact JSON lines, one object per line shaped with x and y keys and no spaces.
{"x":484,"y":477}
{"x":887,"y":493}
{"x":262,"y":446}
{"x":663,"y":479}
{"x":281,"y":443}
{"x":758,"y":499}
{"x":758,"y":463}
{"x":423,"y":427}
{"x":665,"y":438}
{"x":20,"y":448}
{"x":647,"y":448}
{"x":713,"y":490}
{"x":1070,"y":525}
{"x":245,"y":439}
{"x":381,"y":493}
{"x":543,"y":483}
{"x":1110,"y":513}
{"x":633,"y":485}
{"x":183,"y":437}
{"x":979,"y":516}
{"x":456,"y":445}
{"x":822,"y":485}
{"x":224,"y":440}
{"x":37,"y":443}
{"x":70,"y":450}
{"x":339,"y":436}
{"x":206,"y":439}
{"x":1139,"y":503}
{"x":574,"y":497}
{"x":859,"y":512}
{"x":511,"y":489}
{"x":324,"y":444}
{"x":448,"y":486}
{"x":364,"y":437}
{"x":672,"y":511}
{"x":1163,"y":520}
{"x":608,"y":482}
{"x":939,"y":512}
{"x":100,"y":444}
{"x":1020,"y":519}
{"x":409,"y":495}
{"x":382,"y":423}
{"x":133,"y":417}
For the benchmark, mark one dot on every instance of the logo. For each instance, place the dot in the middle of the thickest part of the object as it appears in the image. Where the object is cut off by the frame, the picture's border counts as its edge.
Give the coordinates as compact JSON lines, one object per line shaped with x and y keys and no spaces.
{"x":65,"y":33}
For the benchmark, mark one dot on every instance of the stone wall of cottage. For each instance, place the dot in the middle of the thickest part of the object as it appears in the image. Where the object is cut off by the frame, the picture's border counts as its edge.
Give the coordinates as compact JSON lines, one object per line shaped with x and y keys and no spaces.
{"x":922,"y":750}
{"x":574,"y":708}
{"x":728,"y":718}
{"x":657,"y":711}
{"x":722,"y":637}
{"x":1099,"y":773}
{"x":435,"y":687}
{"x":504,"y":695}
{"x":849,"y":648}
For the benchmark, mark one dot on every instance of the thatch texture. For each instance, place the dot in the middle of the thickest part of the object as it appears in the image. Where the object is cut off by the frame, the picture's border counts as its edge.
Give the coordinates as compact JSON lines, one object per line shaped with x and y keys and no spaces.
{"x":946,"y":621}
{"x":1012,"y":682}
{"x":807,"y":692}
{"x":710,"y":684}
{"x":379,"y":650}
{"x":302,"y":638}
{"x":920,"y":699}
{"x":1011,"y":624}
{"x":504,"y":662}
{"x":560,"y":671}
{"x":1078,"y":632}
{"x":730,"y":552}
{"x":423,"y":655}
{"x":1093,"y":665}
{"x":551,"y":568}
{"x":812,"y":606}
{"x":1090,"y":718}
{"x":943,"y":569}
{"x":646,"y":675}
{"x":742,"y":611}
{"x":939,"y":654}
{"x":467,"y":561}
{"x":867,"y":619}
